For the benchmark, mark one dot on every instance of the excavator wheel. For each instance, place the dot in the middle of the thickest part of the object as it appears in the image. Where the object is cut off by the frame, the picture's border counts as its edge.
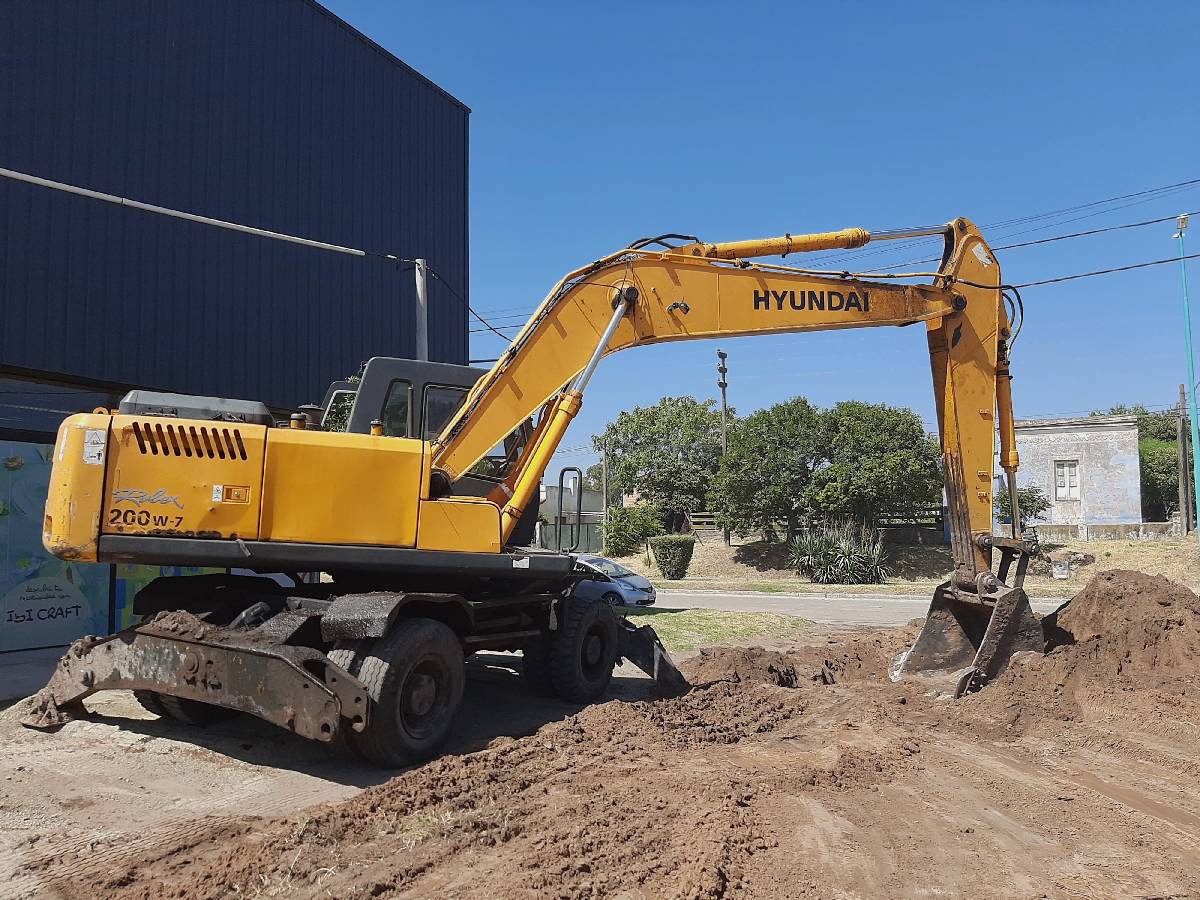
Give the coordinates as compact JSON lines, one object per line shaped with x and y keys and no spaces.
{"x":190,"y":712}
{"x":414,"y":677}
{"x":584,"y":650}
{"x":346,"y":655}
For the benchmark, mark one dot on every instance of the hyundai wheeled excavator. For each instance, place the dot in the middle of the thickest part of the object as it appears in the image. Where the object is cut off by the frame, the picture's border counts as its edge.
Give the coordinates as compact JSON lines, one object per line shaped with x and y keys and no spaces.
{"x":417,"y":532}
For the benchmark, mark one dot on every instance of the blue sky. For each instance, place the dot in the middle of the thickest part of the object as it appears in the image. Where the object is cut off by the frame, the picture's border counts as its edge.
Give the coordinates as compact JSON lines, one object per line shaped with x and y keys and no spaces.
{"x":594,"y":124}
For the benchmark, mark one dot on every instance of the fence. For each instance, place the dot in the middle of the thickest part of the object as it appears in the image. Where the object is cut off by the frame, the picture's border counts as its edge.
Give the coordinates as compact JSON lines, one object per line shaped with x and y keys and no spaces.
{"x":590,"y":538}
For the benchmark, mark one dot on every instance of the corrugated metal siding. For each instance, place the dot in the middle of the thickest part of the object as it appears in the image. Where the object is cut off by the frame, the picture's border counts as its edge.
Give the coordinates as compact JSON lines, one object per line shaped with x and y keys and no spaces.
{"x":272,"y":113}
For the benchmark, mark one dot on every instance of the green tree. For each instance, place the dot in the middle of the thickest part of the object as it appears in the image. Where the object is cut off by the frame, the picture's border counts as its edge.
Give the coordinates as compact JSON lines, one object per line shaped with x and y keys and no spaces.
{"x":1158,"y":447}
{"x":1159,"y":426}
{"x":628,"y":527}
{"x":1031,"y":501}
{"x":593,"y":480}
{"x":764,"y":477}
{"x":666,"y":453}
{"x":1160,"y":478}
{"x":880,"y":459}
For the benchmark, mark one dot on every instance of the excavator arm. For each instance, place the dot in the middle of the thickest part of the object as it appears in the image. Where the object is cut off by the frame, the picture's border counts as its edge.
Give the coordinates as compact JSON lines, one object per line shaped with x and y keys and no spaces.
{"x":653,"y":292}
{"x":645,"y":295}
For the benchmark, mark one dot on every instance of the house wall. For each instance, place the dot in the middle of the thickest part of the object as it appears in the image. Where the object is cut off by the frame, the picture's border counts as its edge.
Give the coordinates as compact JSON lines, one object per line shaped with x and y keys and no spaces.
{"x":1109,"y":468}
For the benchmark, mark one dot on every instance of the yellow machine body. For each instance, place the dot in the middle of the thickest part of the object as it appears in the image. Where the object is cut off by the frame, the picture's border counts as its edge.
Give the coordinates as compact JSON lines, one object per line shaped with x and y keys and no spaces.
{"x":161,"y":489}
{"x":161,"y":477}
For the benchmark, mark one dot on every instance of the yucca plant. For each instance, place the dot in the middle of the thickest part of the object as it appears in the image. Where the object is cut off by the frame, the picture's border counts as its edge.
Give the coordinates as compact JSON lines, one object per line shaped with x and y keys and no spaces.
{"x":841,"y":552}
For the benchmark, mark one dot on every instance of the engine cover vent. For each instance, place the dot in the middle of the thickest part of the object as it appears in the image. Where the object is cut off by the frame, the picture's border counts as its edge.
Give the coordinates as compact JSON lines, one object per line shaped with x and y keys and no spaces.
{"x":169,"y":439}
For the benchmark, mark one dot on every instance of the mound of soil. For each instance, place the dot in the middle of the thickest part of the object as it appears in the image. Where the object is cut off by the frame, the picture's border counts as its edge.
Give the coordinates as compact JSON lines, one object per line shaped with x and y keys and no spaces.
{"x":1127,"y":638}
{"x":1134,"y":621}
{"x":548,"y":800}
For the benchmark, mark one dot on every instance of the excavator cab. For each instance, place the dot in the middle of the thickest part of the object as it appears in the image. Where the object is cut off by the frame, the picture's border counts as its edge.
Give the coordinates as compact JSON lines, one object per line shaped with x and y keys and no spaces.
{"x":411,"y":398}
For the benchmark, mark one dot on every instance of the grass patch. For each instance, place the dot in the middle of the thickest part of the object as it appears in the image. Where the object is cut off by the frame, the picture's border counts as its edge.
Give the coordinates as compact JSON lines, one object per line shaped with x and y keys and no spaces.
{"x":682,"y":630}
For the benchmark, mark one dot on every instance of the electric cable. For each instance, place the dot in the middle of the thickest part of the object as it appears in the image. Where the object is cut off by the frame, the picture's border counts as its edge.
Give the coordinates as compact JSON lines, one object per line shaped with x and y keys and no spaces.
{"x":1049,"y":240}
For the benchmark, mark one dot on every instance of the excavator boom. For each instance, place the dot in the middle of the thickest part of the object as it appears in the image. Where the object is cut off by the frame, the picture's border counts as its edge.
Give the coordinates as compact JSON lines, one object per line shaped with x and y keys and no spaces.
{"x":653,"y":292}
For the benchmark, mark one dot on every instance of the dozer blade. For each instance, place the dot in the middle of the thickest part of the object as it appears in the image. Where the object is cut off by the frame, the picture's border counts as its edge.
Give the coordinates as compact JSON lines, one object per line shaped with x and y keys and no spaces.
{"x":296,"y":688}
{"x":971,"y":638}
{"x":642,"y":647}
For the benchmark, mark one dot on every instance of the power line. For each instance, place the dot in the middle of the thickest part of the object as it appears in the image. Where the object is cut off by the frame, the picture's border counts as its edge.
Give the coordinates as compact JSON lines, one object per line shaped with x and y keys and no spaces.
{"x":1048,"y":240}
{"x":1156,"y":262}
{"x":1148,"y":195}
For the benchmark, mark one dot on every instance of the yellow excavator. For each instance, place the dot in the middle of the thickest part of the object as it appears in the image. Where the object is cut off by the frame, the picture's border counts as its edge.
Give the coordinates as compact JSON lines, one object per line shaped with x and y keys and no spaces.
{"x":419,"y":522}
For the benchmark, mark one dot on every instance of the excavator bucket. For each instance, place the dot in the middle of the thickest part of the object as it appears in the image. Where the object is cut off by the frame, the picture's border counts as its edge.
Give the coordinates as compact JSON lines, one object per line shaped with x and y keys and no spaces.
{"x":970,"y":638}
{"x":641,"y":646}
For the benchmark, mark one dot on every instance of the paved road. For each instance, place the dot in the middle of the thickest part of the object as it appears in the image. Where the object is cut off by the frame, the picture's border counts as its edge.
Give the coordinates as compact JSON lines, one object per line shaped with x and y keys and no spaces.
{"x":827,"y":609}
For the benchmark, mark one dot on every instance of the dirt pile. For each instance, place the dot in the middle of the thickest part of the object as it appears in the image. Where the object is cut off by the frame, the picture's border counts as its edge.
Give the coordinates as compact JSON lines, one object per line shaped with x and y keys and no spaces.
{"x":795,"y":772}
{"x":1128,"y":640}
{"x":543,"y":805}
{"x":1132,"y":622}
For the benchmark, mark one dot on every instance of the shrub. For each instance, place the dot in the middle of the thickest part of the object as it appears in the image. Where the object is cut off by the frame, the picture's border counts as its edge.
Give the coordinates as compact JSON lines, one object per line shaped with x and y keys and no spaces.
{"x":842,"y":552}
{"x":673,"y":553}
{"x":628,"y":527}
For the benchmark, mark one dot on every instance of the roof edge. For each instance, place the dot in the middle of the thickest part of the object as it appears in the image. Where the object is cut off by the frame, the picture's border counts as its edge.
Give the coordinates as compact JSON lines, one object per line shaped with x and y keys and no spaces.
{"x":1076,"y":421}
{"x":387,"y":53}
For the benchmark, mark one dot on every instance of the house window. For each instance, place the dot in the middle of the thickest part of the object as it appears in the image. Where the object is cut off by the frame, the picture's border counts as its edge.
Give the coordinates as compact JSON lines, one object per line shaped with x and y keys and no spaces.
{"x":1066,"y":479}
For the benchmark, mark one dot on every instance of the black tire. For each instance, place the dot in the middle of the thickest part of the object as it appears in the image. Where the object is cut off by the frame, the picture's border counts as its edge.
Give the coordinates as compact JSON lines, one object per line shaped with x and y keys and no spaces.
{"x":347,"y":655}
{"x":583,"y":651}
{"x":190,"y":712}
{"x":613,"y":599}
{"x":414,"y":678}
{"x":535,"y":668}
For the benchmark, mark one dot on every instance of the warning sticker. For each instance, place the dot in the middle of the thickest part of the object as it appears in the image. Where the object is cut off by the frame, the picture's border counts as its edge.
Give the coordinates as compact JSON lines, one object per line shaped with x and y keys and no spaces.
{"x":218,"y":493}
{"x":94,"y":440}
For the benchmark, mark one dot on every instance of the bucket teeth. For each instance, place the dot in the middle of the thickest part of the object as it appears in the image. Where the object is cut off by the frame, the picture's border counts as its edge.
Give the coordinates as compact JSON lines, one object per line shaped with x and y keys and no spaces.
{"x":642,"y":647}
{"x":972,"y":637}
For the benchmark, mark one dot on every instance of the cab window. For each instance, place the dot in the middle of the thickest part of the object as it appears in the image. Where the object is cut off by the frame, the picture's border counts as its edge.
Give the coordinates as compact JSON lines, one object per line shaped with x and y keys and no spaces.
{"x":440,"y":404}
{"x":396,"y":407}
{"x":337,"y":415}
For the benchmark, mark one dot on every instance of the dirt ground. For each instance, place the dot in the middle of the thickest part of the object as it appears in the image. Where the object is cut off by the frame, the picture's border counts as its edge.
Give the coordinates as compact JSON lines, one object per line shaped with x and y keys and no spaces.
{"x":797,"y":770}
{"x":918,"y":569}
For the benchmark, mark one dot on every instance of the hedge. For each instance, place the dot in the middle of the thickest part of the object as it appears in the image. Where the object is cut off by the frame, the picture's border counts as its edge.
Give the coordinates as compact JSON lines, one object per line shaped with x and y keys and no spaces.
{"x":673,"y":553}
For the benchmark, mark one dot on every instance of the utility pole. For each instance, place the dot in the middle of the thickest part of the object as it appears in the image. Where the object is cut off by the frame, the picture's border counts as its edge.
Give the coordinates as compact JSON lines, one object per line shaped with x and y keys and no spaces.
{"x":421,"y":268}
{"x":604,"y":480}
{"x":722,"y":383}
{"x":1187,"y":331}
{"x":1185,"y":485}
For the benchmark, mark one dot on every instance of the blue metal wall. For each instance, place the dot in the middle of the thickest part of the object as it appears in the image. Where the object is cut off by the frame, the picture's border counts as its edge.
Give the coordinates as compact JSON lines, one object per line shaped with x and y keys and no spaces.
{"x":272,"y":113}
